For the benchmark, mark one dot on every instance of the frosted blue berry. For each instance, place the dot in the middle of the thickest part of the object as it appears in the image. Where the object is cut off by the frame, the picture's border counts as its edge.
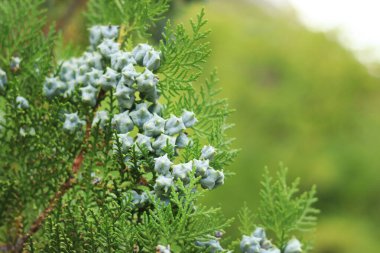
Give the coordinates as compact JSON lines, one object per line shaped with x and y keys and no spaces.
{"x":162,"y":249}
{"x":260,"y":233}
{"x":95,"y":35}
{"x":110,"y":31}
{"x":101,"y":118}
{"x":146,"y":81}
{"x":152,"y":60}
{"x":121,"y":59}
{"x":129,"y":75}
{"x":67,"y":71}
{"x":70,"y":87}
{"x":94,"y":77}
{"x":219,"y":234}
{"x":125,"y":141}
{"x":258,"y":242}
{"x":89,"y":95}
{"x":162,"y":164}
{"x":125,"y":97}
{"x":208,"y":152}
{"x":163,"y":183}
{"x":250,"y":244}
{"x":174,"y":125}
{"x":162,"y":141}
{"x":143,"y":141}
{"x":15,"y":63}
{"x":53,"y":87}
{"x":154,"y":126}
{"x":139,"y":199}
{"x":156,"y":108}
{"x":140,"y":115}
{"x":92,"y":60}
{"x":182,"y":140}
{"x":140,"y":51}
{"x":108,"y":47}
{"x":293,"y":246}
{"x":212,"y":245}
{"x":72,"y":122}
{"x":212,"y":179}
{"x":3,"y":80}
{"x":151,"y":95}
{"x":122,"y":122}
{"x":110,"y":79}
{"x":182,"y":171}
{"x":201,"y":167}
{"x":188,"y":118}
{"x":81,"y":76}
{"x":144,"y":197}
{"x":22,"y":103}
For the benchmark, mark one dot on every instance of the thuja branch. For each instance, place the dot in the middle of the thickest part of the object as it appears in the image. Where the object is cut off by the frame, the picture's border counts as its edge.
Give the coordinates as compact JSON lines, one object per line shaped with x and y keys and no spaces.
{"x":64,"y":187}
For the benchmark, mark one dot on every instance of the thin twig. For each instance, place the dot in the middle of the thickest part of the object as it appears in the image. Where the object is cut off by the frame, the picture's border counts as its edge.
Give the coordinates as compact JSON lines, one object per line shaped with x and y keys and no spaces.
{"x":68,"y":184}
{"x":5,"y":248}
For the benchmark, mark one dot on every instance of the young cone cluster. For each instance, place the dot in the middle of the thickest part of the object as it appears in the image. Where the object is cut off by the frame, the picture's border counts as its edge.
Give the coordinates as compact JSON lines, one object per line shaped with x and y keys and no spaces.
{"x":257,"y":242}
{"x":140,"y":125}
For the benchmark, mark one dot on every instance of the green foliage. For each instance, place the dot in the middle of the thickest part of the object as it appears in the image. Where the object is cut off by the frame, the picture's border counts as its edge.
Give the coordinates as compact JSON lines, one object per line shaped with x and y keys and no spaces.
{"x":75,"y":188}
{"x":108,"y":221}
{"x":245,"y":219}
{"x":180,"y":223}
{"x":135,"y":16}
{"x":183,"y":55}
{"x":70,"y":190}
{"x":301,"y":98}
{"x":21,"y":25}
{"x":212,"y":113}
{"x":283,"y":210}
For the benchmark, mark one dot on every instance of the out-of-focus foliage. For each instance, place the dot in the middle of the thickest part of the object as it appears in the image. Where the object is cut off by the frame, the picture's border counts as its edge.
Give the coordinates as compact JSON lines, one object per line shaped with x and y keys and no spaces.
{"x":77,"y":179}
{"x":283,"y":210}
{"x":302,"y":99}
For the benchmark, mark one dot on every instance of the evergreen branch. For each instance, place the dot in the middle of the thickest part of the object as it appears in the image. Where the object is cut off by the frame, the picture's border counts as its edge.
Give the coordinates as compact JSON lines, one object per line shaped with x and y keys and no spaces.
{"x":212,"y":113}
{"x":282,"y":210}
{"x":135,"y":16}
{"x":183,"y":54}
{"x":245,"y":218}
{"x":67,"y":185}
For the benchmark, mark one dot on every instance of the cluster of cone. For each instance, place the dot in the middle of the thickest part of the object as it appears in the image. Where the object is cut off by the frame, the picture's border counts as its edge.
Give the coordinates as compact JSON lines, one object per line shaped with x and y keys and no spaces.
{"x":140,"y":124}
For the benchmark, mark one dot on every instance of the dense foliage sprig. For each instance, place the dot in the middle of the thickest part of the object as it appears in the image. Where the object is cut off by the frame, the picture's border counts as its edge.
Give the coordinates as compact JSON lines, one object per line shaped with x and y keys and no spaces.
{"x":110,"y":151}
{"x":283,"y":212}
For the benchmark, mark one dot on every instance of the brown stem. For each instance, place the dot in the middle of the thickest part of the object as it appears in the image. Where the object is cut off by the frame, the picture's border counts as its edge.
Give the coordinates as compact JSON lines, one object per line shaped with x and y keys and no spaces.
{"x":6,"y":248}
{"x":36,"y":225}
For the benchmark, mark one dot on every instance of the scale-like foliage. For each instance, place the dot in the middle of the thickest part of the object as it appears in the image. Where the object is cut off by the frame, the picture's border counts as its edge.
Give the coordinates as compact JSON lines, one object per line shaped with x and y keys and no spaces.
{"x":22,"y":24}
{"x":136,"y":17}
{"x":183,"y":54}
{"x":110,"y":151}
{"x":180,"y":223}
{"x":212,"y":113}
{"x":283,"y":210}
{"x":245,"y":219}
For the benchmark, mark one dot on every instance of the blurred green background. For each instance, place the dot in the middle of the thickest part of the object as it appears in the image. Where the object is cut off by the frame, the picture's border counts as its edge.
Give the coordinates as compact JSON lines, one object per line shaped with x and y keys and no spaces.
{"x":301,"y":99}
